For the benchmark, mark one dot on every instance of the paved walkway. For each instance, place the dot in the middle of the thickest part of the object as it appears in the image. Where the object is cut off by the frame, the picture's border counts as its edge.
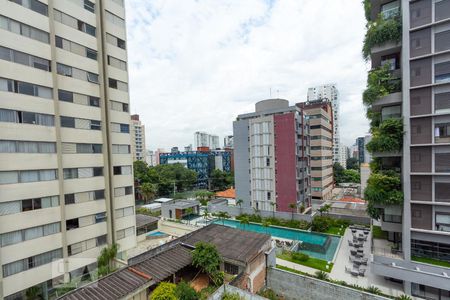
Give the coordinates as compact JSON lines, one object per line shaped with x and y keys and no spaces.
{"x":342,"y":260}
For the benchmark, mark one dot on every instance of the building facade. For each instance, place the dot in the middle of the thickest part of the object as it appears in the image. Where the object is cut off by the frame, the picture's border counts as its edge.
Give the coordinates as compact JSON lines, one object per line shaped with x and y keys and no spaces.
{"x":361,"y":149}
{"x":343,"y":156}
{"x":320,"y":118}
{"x":271,"y":154}
{"x":203,"y":162}
{"x":419,"y":226}
{"x":66,"y":182}
{"x":329,"y":92}
{"x":203,"y":139}
{"x":137,"y":130}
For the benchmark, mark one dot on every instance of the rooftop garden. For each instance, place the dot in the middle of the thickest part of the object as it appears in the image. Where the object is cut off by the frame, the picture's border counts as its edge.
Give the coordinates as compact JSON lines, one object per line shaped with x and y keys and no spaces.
{"x":381,"y":31}
{"x":431,"y":261}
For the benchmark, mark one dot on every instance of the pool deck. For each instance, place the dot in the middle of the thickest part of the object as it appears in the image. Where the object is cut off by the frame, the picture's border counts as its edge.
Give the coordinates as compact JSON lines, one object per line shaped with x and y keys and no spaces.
{"x":338,"y":272}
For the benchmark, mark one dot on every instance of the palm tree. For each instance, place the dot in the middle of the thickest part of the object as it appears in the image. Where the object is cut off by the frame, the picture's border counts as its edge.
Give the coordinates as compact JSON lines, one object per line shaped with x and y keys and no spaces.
{"x":274,"y":206}
{"x":205,"y":213}
{"x":266,"y":224}
{"x":245,"y":220}
{"x":189,"y":211}
{"x":293,"y":206}
{"x":222,"y":216}
{"x":239,"y":202}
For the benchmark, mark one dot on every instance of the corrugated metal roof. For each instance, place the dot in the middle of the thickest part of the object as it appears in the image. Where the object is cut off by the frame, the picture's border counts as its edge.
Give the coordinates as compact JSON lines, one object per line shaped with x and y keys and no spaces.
{"x":142,"y":220}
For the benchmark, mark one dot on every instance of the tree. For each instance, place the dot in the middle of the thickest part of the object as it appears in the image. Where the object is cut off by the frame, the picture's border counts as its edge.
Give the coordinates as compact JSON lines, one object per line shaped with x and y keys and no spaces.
{"x":352,"y":163}
{"x":245,"y":220}
{"x":274,"y":206}
{"x":33,"y":292}
{"x":140,"y":170}
{"x":220,"y":180}
{"x":222,"y":215}
{"x":293,"y":207}
{"x":164,"y":291}
{"x":204,"y":196}
{"x":148,"y":191}
{"x":325,"y":208}
{"x":266,"y":224}
{"x":239,"y":202}
{"x":189,"y":211}
{"x":338,"y":172}
{"x":205,"y":213}
{"x":106,"y":259}
{"x":206,"y":257}
{"x":184,"y":291}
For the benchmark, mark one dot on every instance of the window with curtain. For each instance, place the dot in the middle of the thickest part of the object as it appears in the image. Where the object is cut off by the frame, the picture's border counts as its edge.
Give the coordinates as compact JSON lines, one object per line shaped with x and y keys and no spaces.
{"x":46,"y":175}
{"x":29,"y":176}
{"x":11,"y":238}
{"x":7,"y":115}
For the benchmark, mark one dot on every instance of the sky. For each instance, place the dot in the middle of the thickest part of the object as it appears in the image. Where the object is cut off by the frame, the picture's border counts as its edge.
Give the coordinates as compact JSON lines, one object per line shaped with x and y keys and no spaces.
{"x":195,"y":65}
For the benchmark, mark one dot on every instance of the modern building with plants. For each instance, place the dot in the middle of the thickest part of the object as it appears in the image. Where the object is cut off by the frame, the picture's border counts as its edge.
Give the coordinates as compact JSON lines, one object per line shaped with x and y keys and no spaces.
{"x":408,"y":105}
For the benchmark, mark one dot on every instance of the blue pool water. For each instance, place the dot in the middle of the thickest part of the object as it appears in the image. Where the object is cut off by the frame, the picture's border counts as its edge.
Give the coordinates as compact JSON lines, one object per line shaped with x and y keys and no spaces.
{"x":156,"y":233}
{"x":293,"y":234}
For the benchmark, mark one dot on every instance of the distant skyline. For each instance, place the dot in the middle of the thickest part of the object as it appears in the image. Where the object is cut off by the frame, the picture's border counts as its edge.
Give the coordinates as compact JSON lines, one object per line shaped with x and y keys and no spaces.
{"x":196,"y":65}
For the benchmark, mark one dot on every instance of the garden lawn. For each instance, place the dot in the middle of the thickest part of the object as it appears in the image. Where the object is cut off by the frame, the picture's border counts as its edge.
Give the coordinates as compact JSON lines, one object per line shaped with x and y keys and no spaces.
{"x":431,"y":261}
{"x":336,"y":230}
{"x":378,"y":233}
{"x":312,"y":262}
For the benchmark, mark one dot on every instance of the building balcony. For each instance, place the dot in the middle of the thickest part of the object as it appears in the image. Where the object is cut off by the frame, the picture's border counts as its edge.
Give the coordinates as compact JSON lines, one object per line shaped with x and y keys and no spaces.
{"x":389,"y":100}
{"x":387,"y":154}
{"x":389,"y":49}
{"x":376,"y":8}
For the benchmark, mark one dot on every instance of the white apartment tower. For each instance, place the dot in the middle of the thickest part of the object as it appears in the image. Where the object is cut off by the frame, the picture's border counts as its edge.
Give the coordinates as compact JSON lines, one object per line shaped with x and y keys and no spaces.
{"x":330,"y":92}
{"x":66,"y":183}
{"x":137,"y":138}
{"x":203,"y":139}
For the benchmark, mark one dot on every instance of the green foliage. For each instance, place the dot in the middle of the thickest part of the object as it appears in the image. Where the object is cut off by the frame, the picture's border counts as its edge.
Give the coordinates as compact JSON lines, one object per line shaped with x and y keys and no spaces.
{"x":33,"y":292}
{"x":230,"y":296}
{"x":373,"y":211}
{"x":367,"y":8}
{"x":380,"y":32}
{"x":299,"y":256}
{"x":164,"y":177}
{"x":321,"y":275}
{"x":431,"y":261}
{"x":106,"y":259}
{"x":269,"y":294}
{"x":147,"y":212}
{"x":303,"y":225}
{"x":342,"y":175}
{"x":325,"y":208}
{"x":321,"y":223}
{"x":164,"y":291}
{"x":378,"y":233}
{"x":206,"y":257}
{"x":384,"y":188}
{"x":184,"y":291}
{"x":403,"y":297}
{"x":380,"y":83}
{"x":352,"y":163}
{"x":387,"y":137}
{"x":374,"y":290}
{"x":148,"y":190}
{"x":203,"y":196}
{"x":221,"y":180}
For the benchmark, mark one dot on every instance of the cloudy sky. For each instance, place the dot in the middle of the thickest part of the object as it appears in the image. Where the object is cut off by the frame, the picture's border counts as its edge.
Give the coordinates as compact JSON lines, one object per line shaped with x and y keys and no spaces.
{"x":196,"y":64}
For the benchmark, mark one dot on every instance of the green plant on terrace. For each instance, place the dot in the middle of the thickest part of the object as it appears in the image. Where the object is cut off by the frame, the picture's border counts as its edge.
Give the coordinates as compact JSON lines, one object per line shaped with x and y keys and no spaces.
{"x":384,"y":189}
{"x":367,"y":7}
{"x":381,"y":31}
{"x":387,"y":137}
{"x":380,"y":83}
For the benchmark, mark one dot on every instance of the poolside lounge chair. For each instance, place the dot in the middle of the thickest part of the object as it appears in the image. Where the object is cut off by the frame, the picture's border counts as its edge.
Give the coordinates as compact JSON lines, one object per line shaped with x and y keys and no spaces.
{"x":348,"y":269}
{"x":361,"y":272}
{"x":350,"y":243}
{"x":354,"y":272}
{"x":353,"y":252}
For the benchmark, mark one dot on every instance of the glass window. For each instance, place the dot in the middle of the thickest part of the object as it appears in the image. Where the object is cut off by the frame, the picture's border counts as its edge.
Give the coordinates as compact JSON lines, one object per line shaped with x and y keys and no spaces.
{"x":100,"y":217}
{"x":442,"y":72}
{"x":94,"y":101}
{"x":124,"y":128}
{"x":26,"y":88}
{"x":92,"y":77}
{"x":69,"y":198}
{"x":99,"y":194}
{"x":67,"y":122}
{"x":95,"y":125}
{"x":89,"y":29}
{"x":5,"y":54}
{"x":65,"y":96}
{"x":98,"y":171}
{"x":92,"y":54}
{"x":64,"y":70}
{"x":90,"y":6}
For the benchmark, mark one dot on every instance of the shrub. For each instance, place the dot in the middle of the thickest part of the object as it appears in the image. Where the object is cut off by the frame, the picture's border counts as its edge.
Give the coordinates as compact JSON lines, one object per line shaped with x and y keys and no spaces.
{"x":184,"y":291}
{"x":384,"y":189}
{"x":164,"y":291}
{"x":403,"y":297}
{"x":321,"y":275}
{"x":374,"y":290}
{"x":380,"y":83}
{"x":269,"y":294}
{"x":380,"y":32}
{"x":321,"y":223}
{"x":231,"y":296}
{"x":387,"y":137}
{"x":299,"y":256}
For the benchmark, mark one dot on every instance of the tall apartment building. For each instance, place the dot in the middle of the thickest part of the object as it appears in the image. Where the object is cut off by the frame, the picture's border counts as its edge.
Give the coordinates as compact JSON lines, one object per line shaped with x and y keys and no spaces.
{"x":330,"y":93}
{"x":364,"y":155}
{"x":419,"y":227}
{"x":271,"y":157}
{"x":203,"y":139}
{"x":137,"y":138}
{"x":320,"y":117}
{"x":228,"y":142}
{"x":343,"y":156}
{"x":66,"y":183}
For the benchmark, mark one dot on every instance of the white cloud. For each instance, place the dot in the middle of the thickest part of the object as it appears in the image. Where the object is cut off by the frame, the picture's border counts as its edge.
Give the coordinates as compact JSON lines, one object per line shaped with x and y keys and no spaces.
{"x":196,"y":65}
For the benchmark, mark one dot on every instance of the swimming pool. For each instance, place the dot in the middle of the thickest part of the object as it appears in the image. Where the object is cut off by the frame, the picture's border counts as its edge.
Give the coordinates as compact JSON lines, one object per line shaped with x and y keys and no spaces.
{"x":329,"y":243}
{"x":156,"y":233}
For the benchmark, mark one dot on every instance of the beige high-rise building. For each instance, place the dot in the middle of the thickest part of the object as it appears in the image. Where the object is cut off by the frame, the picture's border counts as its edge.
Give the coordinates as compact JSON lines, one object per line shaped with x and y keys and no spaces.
{"x":66,"y":183}
{"x":137,"y":138}
{"x":320,"y":116}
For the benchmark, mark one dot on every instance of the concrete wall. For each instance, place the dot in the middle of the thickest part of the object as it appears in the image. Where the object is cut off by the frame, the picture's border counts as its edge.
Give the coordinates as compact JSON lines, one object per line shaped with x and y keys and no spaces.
{"x":292,"y":285}
{"x":232,"y":289}
{"x":241,"y":161}
{"x":236,"y":211}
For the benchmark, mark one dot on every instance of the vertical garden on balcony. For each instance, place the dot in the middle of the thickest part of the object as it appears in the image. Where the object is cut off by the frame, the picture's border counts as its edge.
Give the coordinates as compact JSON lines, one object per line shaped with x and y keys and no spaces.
{"x":384,"y":185}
